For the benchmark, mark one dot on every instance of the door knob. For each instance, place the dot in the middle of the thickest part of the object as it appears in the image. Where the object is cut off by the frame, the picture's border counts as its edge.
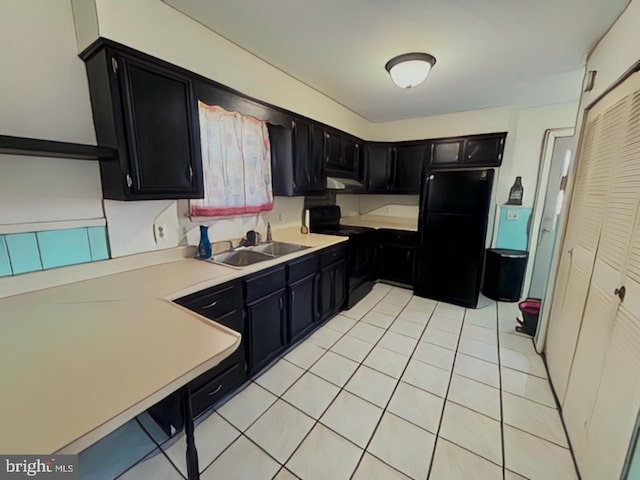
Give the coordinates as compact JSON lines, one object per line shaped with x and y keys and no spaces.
{"x":620,"y":292}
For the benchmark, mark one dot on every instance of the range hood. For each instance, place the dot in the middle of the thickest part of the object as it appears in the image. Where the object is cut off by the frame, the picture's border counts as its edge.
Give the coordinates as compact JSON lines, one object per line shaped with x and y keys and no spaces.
{"x":347,"y":184}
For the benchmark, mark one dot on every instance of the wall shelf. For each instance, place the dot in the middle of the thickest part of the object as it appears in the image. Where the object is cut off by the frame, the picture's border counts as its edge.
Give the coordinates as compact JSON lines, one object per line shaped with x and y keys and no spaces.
{"x":49,"y":148}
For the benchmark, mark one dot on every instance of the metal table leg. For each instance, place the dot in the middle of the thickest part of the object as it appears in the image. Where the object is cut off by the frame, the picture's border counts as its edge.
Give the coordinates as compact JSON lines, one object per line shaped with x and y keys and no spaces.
{"x":193,"y":472}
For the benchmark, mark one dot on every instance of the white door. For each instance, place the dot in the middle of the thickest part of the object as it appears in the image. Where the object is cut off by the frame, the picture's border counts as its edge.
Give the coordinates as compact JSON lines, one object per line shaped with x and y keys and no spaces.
{"x":576,"y":264}
{"x":596,"y":403}
{"x":611,"y":426}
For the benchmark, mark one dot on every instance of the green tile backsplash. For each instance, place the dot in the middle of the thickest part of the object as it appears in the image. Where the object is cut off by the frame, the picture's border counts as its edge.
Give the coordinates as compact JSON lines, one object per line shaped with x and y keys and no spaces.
{"x":28,"y":252}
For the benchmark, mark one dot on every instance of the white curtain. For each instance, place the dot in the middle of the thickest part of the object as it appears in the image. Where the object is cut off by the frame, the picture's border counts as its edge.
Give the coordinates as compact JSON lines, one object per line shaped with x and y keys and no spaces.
{"x":236,"y":164}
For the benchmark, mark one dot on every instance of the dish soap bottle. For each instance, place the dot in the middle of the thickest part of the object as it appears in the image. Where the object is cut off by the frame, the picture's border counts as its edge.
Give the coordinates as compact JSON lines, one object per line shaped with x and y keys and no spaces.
{"x":269,"y":235}
{"x":204,"y":247}
{"x":516,"y":193}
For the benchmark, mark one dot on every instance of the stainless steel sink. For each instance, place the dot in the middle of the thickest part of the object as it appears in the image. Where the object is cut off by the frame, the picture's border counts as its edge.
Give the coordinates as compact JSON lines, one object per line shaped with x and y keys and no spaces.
{"x":278,"y":249}
{"x":241,"y":258}
{"x":245,"y":256}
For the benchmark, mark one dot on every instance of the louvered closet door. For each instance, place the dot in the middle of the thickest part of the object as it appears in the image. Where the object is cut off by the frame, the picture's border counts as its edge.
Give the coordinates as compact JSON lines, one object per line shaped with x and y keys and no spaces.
{"x":576,"y":262}
{"x":619,"y":190}
{"x":618,"y":401}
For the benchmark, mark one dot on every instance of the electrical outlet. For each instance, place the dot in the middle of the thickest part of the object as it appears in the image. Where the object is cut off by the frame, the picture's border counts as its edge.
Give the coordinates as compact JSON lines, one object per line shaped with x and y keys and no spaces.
{"x":512,"y":215}
{"x":160,"y":232}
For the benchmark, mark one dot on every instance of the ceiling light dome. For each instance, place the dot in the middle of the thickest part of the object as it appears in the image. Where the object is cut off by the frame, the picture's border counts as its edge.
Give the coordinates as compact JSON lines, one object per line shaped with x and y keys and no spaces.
{"x":410,"y":69}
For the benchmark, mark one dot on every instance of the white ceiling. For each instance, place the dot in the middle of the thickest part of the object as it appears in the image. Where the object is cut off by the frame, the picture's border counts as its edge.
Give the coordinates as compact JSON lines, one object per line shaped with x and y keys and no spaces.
{"x":489,"y":52}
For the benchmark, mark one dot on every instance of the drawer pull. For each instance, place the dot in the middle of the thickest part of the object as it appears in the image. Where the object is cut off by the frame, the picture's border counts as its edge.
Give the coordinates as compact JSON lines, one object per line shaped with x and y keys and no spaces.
{"x":216,"y":390}
{"x":212,"y":304}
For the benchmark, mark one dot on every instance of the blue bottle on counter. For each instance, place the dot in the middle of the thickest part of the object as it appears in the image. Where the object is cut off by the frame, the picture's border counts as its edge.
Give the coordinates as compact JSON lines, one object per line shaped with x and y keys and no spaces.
{"x":204,"y":247}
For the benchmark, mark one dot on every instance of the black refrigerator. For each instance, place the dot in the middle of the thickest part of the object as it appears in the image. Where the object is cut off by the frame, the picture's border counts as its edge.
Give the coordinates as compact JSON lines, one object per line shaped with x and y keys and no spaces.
{"x":452,"y":229}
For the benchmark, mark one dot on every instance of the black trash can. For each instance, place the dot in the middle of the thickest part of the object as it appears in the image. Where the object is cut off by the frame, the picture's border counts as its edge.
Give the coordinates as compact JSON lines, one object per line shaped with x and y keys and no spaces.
{"x":504,"y":274}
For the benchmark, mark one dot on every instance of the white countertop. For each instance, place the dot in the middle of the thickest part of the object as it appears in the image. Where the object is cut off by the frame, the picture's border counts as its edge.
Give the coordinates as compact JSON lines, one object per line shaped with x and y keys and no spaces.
{"x":79,"y":360}
{"x":382,"y":221}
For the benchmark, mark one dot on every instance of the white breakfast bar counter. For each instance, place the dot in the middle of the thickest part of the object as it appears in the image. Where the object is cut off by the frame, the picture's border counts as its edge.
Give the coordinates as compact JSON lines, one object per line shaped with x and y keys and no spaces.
{"x":81,"y":359}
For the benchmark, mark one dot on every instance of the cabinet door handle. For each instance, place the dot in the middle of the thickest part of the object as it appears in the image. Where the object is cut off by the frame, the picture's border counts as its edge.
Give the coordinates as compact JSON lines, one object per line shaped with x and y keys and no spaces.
{"x":114,"y":64}
{"x":129,"y":181}
{"x":293,"y":296}
{"x":408,"y":255}
{"x":281,"y":303}
{"x":215,"y":391}
{"x":190,"y":174}
{"x":212,"y":304}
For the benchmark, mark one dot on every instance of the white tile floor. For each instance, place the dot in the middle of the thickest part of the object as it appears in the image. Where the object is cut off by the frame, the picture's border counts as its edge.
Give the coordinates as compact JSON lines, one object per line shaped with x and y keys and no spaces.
{"x":397,"y":387}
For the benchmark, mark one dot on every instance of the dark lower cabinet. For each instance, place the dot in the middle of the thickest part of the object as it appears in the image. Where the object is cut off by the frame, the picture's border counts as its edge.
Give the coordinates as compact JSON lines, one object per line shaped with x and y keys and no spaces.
{"x":266,"y":317}
{"x":332,"y":282}
{"x":396,"y":256}
{"x":222,"y":304}
{"x":266,"y":323}
{"x":361,"y":266}
{"x":302,"y":291}
{"x":302,"y":307}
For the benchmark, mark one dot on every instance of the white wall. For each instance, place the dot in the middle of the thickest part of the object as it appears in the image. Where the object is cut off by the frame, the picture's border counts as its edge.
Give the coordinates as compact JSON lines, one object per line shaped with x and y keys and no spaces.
{"x":157,"y":29}
{"x":44,"y":95}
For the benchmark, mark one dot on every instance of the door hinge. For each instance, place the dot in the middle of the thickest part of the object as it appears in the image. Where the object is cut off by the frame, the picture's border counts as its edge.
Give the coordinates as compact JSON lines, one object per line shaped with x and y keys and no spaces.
{"x":114,"y":64}
{"x":129,"y":181}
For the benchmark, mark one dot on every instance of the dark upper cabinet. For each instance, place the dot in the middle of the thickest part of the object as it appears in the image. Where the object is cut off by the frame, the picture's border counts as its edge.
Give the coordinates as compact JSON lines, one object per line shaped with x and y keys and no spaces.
{"x":446,"y":152}
{"x":334,"y":151}
{"x":472,"y":151}
{"x":147,"y":111}
{"x":378,"y":168}
{"x":351,"y":157}
{"x":297,"y":158}
{"x":484,"y":151}
{"x":342,"y":155}
{"x":318,"y":180}
{"x":408,"y":165}
{"x":308,"y":157}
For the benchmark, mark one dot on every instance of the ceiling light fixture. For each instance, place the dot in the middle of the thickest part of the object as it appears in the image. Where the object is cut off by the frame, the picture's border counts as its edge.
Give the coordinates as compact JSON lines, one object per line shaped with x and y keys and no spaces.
{"x":410,"y":69}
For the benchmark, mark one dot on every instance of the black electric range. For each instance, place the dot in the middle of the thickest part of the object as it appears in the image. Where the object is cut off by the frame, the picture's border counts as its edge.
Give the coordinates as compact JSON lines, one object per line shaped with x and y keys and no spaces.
{"x":361,"y":249}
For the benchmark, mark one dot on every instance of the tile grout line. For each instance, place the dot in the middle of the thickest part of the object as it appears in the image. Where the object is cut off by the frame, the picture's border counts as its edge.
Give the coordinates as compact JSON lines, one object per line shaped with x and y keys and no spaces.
{"x":317,"y":421}
{"x":158,"y":446}
{"x":385,"y":409}
{"x":504,"y":460}
{"x":280,"y":397}
{"x":444,"y":405}
{"x":559,"y":409}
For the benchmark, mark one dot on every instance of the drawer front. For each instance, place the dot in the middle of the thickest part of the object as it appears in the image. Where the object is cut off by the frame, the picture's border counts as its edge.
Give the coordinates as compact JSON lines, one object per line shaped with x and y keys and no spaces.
{"x":302,"y":267}
{"x":215,"y":302}
{"x":333,"y":254}
{"x":399,"y":237}
{"x":216,"y":388}
{"x":263,"y":284}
